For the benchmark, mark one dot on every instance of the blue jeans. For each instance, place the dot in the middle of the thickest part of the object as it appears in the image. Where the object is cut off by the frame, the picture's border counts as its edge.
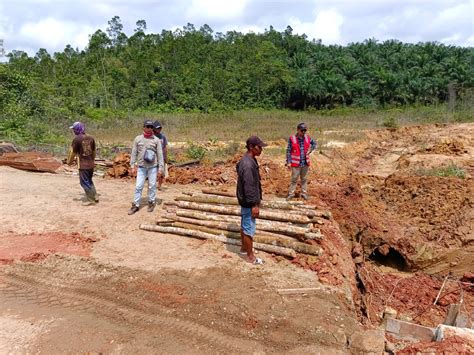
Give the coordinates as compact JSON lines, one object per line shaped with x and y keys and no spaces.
{"x":85,"y":179}
{"x":247,"y":222}
{"x":142,"y":174}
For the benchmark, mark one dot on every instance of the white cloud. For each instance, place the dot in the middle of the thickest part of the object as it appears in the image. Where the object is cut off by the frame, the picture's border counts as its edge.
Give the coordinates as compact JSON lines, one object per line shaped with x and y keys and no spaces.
{"x":326,"y":26}
{"x":55,"y":34}
{"x":216,"y":9}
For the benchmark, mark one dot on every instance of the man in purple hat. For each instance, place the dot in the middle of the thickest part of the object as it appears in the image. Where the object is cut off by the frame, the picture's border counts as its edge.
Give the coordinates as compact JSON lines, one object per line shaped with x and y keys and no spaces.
{"x":83,"y":147}
{"x":249,"y":194}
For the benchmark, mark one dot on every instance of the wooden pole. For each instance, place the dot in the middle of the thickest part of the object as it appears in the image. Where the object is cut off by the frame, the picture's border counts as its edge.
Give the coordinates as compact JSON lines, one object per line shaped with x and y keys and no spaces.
{"x":258,"y":238}
{"x":231,"y":210}
{"x":224,"y":200}
{"x":218,"y":192}
{"x":305,"y":210}
{"x":219,"y":217}
{"x":234,"y":225}
{"x":202,"y":235}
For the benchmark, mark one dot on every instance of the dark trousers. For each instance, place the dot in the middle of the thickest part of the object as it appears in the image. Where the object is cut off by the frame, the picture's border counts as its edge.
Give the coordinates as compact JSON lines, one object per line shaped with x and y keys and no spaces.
{"x":85,"y":179}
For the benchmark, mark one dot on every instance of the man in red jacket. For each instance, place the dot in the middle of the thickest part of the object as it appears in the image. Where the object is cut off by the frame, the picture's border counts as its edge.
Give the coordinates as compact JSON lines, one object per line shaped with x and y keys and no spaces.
{"x":300,"y":146}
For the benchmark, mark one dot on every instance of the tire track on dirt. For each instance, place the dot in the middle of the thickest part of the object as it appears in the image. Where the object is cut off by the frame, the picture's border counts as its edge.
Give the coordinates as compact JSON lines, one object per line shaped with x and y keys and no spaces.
{"x":40,"y":290}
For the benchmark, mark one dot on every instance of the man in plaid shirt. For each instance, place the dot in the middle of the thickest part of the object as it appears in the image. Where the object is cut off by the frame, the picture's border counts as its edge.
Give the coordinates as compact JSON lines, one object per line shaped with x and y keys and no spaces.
{"x":300,"y":146}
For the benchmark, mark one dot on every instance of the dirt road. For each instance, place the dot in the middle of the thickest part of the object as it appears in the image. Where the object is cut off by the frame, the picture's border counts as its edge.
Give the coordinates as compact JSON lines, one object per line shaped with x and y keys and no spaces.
{"x":99,"y":284}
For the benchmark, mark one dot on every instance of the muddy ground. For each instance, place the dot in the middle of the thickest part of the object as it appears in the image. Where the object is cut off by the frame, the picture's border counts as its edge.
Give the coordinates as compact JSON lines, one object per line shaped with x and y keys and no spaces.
{"x":79,"y":278}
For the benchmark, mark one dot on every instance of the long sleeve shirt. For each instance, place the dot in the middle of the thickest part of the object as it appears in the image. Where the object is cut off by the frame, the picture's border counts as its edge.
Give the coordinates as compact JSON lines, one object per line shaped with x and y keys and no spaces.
{"x":140,"y":145}
{"x":302,"y":154}
{"x":249,"y":188}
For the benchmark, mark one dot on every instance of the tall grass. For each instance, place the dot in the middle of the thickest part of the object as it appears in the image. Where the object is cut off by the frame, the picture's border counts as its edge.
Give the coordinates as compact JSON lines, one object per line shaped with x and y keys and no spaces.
{"x":269,"y":125}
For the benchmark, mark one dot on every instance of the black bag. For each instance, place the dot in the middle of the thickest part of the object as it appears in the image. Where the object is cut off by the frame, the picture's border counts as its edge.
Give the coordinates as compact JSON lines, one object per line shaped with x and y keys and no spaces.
{"x":149,"y":155}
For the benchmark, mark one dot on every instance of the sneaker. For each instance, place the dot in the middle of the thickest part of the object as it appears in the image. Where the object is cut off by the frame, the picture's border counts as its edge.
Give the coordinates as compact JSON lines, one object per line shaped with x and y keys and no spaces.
{"x":305,"y":197}
{"x":289,"y":197}
{"x":133,"y":209}
{"x":151,"y":206}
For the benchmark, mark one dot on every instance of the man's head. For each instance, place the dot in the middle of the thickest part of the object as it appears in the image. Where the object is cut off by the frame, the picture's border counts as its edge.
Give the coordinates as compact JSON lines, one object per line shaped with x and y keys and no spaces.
{"x":157,"y":127}
{"x":148,"y":126}
{"x":78,"y":128}
{"x":255,"y":145}
{"x":301,"y":129}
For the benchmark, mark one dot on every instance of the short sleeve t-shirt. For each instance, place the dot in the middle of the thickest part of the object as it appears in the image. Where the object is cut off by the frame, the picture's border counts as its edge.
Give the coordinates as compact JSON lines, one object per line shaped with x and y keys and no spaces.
{"x":83,"y":146}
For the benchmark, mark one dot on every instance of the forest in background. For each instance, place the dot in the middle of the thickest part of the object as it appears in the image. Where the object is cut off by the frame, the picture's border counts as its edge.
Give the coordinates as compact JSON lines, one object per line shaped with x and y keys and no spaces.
{"x":192,"y":70}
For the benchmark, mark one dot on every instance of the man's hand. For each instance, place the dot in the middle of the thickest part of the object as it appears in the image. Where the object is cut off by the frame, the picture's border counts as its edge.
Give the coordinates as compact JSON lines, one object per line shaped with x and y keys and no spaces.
{"x":255,"y":211}
{"x":288,"y":166}
{"x":133,"y":171}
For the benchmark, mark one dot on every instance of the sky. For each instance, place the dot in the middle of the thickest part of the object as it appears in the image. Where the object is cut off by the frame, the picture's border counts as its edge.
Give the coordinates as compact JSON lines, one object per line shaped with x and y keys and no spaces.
{"x":29,"y":25}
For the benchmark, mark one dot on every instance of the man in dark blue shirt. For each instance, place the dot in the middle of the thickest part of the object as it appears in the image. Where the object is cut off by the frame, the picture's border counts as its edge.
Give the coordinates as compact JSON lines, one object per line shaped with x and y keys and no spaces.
{"x":164,"y":145}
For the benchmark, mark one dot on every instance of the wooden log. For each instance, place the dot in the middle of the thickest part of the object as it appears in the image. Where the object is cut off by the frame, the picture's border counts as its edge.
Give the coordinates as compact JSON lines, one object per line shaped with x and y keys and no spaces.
{"x":219,"y":192}
{"x":186,"y":163}
{"x":219,"y":217}
{"x":299,"y":291}
{"x":235,"y":211}
{"x":281,"y":205}
{"x":232,"y":194}
{"x":33,"y":161}
{"x":202,"y":235}
{"x":234,"y":225}
{"x":225,"y":200}
{"x":258,"y":238}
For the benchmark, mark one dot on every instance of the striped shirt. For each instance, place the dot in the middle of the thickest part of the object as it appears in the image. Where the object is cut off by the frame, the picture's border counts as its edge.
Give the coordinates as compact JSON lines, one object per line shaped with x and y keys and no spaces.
{"x":302,"y":155}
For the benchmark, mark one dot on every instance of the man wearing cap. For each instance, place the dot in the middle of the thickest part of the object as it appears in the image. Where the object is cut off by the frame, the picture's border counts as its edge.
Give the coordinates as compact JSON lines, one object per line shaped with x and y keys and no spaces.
{"x":249,"y":195}
{"x":147,"y":162}
{"x":300,"y":146}
{"x":83,"y":147}
{"x":164,"y":145}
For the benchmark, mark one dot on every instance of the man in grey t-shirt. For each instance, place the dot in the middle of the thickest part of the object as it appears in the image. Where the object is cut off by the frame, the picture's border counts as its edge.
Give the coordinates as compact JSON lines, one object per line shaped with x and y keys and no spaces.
{"x":146,"y":162}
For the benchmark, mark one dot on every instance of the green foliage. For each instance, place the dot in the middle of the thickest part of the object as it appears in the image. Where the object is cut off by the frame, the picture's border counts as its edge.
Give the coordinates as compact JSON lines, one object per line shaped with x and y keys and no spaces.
{"x":193,"y":70}
{"x":448,"y":171}
{"x":195,"y":151}
{"x":390,"y":122}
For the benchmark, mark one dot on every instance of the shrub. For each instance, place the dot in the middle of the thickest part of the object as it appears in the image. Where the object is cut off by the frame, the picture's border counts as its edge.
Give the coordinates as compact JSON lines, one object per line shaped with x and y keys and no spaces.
{"x":447,"y":171}
{"x":195,"y":151}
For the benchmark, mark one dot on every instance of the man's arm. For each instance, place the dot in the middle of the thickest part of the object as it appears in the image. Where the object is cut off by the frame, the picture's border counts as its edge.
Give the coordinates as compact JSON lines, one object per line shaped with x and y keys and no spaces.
{"x":93,"y":150}
{"x":133,"y":156}
{"x":288,"y":152}
{"x":251,"y":187}
{"x":159,"y":153}
{"x":314,"y":145}
{"x":71,"y":155}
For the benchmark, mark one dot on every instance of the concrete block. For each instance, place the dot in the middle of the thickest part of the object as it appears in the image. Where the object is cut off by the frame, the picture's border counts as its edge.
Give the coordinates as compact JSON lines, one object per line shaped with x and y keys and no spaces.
{"x":409,"y":331}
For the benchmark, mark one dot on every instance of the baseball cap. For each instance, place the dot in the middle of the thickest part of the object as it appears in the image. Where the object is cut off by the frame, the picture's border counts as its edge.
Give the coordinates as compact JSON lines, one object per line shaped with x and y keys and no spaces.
{"x":302,"y":125}
{"x":254,"y":140}
{"x":157,"y":124}
{"x":148,"y":123}
{"x":75,"y":124}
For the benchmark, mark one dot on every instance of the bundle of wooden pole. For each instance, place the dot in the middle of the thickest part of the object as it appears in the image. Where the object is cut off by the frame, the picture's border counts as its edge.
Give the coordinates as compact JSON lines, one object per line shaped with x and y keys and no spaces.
{"x":283,"y":228}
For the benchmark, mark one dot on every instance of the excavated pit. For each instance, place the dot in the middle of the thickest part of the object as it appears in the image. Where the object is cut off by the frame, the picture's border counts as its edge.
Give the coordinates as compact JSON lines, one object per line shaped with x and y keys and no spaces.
{"x":393,"y":259}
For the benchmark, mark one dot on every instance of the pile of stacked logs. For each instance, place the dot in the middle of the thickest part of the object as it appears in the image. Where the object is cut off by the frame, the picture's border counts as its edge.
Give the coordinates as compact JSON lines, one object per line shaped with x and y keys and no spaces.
{"x":283,"y":228}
